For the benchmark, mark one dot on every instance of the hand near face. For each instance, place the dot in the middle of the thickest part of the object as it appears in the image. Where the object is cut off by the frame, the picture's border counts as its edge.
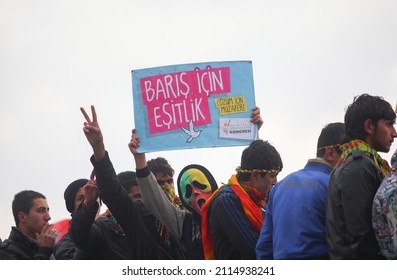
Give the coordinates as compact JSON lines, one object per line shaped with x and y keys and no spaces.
{"x":93,"y":133}
{"x":47,"y":237}
{"x":91,"y":193}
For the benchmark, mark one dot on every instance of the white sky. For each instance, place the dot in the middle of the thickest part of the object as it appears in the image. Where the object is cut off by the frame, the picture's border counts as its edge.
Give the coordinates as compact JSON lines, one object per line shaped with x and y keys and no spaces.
{"x":310,"y":58}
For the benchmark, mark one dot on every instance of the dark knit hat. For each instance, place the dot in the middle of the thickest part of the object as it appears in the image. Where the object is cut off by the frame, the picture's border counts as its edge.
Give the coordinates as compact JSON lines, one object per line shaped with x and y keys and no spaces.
{"x":70,"y":193}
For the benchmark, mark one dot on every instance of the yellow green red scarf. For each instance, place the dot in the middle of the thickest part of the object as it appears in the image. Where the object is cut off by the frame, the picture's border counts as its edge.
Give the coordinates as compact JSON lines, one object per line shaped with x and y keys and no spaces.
{"x":359,"y":145}
{"x":169,"y":192}
{"x":251,"y":200}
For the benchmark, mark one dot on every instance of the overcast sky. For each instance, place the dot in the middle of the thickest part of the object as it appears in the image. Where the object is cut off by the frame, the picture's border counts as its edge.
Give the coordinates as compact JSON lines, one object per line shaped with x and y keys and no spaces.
{"x":310,"y":58}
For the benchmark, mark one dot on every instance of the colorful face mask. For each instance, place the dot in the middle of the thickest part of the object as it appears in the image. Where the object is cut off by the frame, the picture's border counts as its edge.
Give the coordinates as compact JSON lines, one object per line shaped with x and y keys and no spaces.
{"x":195,"y":185}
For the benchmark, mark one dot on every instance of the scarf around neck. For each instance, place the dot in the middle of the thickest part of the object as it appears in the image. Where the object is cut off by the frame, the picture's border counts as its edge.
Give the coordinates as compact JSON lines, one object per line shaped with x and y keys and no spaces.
{"x":359,"y":145}
{"x":251,"y":200}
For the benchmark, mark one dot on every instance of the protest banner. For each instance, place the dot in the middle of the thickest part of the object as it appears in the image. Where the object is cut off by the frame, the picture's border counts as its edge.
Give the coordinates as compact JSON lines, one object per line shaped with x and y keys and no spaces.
{"x":198,"y":105}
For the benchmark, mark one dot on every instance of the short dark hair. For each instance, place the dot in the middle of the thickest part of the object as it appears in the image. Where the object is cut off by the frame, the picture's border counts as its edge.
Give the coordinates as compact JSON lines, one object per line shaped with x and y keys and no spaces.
{"x":23,"y":202}
{"x":333,"y":134}
{"x":365,"y":107}
{"x":259,"y":155}
{"x":127,"y":180}
{"x":160,"y":165}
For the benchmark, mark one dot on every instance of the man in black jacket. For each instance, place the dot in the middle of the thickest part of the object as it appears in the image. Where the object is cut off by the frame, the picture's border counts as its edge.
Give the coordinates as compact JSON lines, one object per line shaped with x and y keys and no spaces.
{"x":32,"y":237}
{"x":369,"y":123}
{"x":138,"y":225}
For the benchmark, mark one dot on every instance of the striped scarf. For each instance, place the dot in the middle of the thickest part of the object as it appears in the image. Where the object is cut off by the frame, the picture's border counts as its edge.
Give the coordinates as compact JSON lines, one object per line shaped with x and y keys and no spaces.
{"x":359,"y":145}
{"x":163,"y":231}
{"x":251,"y":200}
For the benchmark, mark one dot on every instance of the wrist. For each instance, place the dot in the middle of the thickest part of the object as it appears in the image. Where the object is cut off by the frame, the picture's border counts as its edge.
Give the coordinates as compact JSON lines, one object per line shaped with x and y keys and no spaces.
{"x":140,"y":161}
{"x":99,"y":152}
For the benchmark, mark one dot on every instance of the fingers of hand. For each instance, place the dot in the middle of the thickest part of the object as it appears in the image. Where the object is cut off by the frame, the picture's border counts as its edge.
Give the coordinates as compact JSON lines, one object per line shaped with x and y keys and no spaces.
{"x":48,"y":231}
{"x":87,"y":118}
{"x":94,"y":117}
{"x":92,"y":176}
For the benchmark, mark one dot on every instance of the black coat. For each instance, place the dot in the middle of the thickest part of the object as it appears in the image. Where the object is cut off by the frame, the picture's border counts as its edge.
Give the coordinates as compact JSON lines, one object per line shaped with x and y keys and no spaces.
{"x":351,"y":191}
{"x":139,"y":226}
{"x":20,"y":247}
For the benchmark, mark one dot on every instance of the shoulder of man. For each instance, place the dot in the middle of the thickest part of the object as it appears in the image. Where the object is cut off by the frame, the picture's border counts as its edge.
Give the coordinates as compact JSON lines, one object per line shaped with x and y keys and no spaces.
{"x":358,"y":156}
{"x":8,"y":250}
{"x":4,"y":244}
{"x":224,"y":196}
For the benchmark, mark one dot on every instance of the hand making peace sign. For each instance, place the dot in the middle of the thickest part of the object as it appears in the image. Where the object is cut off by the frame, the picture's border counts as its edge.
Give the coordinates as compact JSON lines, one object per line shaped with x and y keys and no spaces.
{"x":93,"y":133}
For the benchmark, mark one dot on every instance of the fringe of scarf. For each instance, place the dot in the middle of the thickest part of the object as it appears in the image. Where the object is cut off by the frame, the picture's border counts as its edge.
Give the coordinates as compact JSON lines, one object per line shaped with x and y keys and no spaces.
{"x":359,"y":145}
{"x":169,"y":192}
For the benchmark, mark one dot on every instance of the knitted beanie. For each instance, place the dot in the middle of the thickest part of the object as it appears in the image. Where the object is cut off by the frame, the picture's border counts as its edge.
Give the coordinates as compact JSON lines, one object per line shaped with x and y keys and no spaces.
{"x":70,"y":193}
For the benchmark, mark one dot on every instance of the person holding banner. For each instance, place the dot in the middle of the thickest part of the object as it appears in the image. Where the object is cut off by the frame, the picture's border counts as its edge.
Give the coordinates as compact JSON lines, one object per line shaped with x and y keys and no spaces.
{"x":232,"y":218}
{"x":185,"y":225}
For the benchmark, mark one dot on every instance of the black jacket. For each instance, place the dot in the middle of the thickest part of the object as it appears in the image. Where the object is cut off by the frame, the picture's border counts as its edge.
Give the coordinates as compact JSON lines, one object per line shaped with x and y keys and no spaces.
{"x":351,"y":191}
{"x":141,"y":235}
{"x":20,"y":247}
{"x":67,"y":250}
{"x":99,"y":239}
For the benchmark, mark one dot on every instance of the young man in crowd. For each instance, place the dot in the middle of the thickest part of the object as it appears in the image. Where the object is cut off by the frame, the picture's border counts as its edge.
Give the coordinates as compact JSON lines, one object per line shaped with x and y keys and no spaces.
{"x":138,"y":225}
{"x":33,"y":237}
{"x":155,"y":178}
{"x":232,"y":218}
{"x":294,"y":227}
{"x":369,"y":123}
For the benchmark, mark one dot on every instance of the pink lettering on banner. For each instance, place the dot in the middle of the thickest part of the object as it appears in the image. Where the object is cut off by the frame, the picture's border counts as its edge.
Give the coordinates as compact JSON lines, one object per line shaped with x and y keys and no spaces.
{"x":175,"y":98}
{"x":173,"y":85}
{"x":174,"y":114}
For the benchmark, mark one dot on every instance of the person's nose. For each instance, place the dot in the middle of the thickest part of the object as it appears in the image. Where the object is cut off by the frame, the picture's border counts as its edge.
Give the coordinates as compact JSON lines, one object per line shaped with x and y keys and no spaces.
{"x":394,"y":132}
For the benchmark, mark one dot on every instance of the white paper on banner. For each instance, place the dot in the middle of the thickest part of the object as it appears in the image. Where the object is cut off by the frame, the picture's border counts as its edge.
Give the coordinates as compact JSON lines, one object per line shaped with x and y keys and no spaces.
{"x":236,"y":128}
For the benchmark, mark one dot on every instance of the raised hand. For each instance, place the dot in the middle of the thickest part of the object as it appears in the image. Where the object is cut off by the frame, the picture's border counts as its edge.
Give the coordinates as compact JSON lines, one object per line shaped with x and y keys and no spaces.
{"x":47,"y":237}
{"x":91,"y":194}
{"x":93,"y":133}
{"x":133,"y":145}
{"x":256,"y":116}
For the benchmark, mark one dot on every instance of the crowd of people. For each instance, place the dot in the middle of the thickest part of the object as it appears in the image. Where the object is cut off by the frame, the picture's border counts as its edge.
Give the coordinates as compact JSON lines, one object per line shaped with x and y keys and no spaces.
{"x":341,"y":205}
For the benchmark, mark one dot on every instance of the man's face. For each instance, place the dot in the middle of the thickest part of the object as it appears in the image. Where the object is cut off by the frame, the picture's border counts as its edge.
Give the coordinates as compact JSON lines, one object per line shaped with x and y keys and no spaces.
{"x":37,"y":217}
{"x":166,"y":182}
{"x":164,"y":179}
{"x":135,"y":193}
{"x":79,"y":197}
{"x":383,"y":136}
{"x":265,"y":182}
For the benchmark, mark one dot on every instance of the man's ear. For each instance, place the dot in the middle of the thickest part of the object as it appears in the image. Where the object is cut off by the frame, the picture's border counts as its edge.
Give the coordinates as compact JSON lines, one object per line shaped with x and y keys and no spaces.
{"x":369,"y":126}
{"x":254,"y":176}
{"x":22,"y":216}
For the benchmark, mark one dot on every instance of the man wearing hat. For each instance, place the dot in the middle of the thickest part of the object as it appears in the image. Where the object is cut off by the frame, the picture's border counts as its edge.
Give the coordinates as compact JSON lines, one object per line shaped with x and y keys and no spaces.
{"x":65,"y":248}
